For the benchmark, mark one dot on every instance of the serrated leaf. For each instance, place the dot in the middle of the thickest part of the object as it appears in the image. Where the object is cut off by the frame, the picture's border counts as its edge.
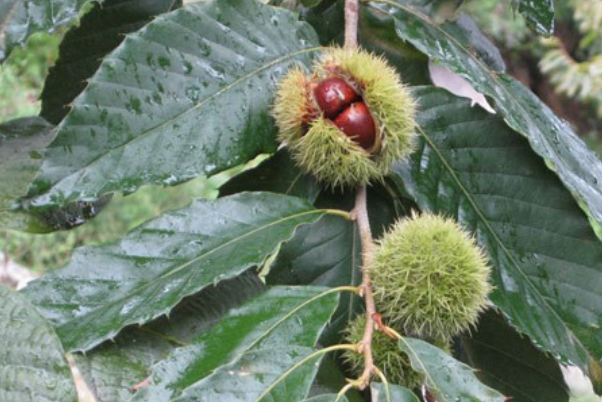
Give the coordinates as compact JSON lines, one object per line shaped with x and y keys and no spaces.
{"x":447,"y":379}
{"x":538,"y":13}
{"x":189,"y":94}
{"x":278,"y":174}
{"x":19,"y":19}
{"x":99,"y":32}
{"x":547,"y":259}
{"x":22,"y":145}
{"x":113,"y":369}
{"x":33,"y":367}
{"x":153,"y":267}
{"x":258,"y":352}
{"x":397,"y":393}
{"x":326,"y":398}
{"x":550,"y":137}
{"x":377,"y":34}
{"x":511,"y":364}
{"x":325,"y":253}
{"x":331,"y":379}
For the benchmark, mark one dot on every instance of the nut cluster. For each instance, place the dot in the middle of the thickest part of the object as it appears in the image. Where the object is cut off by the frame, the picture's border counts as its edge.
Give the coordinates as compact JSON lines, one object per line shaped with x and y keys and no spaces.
{"x":348,"y":120}
{"x":344,"y":107}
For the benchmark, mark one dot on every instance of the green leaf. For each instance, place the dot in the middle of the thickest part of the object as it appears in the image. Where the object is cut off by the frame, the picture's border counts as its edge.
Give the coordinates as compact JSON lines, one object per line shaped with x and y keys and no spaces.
{"x":377,"y":34}
{"x":100,"y":31}
{"x":550,"y":137}
{"x":189,"y":94}
{"x":447,"y":379}
{"x":278,"y":174}
{"x":114,"y":368}
{"x":538,"y":13}
{"x":22,"y":145}
{"x":326,"y":253}
{"x":547,"y":259}
{"x":511,"y":364}
{"x":19,"y":19}
{"x":396,"y":392}
{"x":153,"y":267}
{"x":326,"y":398}
{"x":258,"y":352}
{"x":310,"y":3}
{"x":33,"y":367}
{"x":331,"y":379}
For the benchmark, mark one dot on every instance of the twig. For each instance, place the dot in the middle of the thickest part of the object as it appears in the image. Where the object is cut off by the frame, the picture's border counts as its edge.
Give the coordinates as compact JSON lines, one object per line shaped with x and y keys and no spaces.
{"x":360,"y":213}
{"x":352,"y":9}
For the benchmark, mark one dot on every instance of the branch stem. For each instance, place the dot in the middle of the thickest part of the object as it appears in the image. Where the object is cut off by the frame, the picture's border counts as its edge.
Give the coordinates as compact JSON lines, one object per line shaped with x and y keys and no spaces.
{"x":360,"y":213}
{"x":352,"y":8}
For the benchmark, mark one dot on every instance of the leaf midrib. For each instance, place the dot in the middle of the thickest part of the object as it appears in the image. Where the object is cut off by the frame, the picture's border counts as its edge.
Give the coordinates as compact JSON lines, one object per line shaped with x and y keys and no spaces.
{"x":137,"y":290}
{"x":460,"y":185}
{"x":485,"y":221}
{"x":262,"y":336}
{"x":211,"y":97}
{"x":427,"y":373}
{"x":494,"y":76}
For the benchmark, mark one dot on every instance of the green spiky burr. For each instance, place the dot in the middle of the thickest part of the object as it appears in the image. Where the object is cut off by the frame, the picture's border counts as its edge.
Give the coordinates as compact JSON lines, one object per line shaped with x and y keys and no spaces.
{"x":430,"y":278}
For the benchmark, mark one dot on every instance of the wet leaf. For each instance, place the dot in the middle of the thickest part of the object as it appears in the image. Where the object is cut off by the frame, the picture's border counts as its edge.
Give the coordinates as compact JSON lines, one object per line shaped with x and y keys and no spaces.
{"x":257,"y":352}
{"x":447,"y":379}
{"x":147,"y":273}
{"x":396,"y":392}
{"x":538,"y":13}
{"x":324,"y":253}
{"x":511,"y":364}
{"x":331,"y":379}
{"x":22,"y":145}
{"x":33,"y":367}
{"x":547,"y":259}
{"x":99,"y":32}
{"x":189,"y":94}
{"x":450,"y":44}
{"x":326,"y":398}
{"x":19,"y":19}
{"x":113,"y":369}
{"x":278,"y":174}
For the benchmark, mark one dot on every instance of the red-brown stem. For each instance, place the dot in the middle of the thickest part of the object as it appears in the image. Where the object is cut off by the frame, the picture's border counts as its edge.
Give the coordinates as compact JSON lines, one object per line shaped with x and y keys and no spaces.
{"x":360,"y":213}
{"x":352,"y":8}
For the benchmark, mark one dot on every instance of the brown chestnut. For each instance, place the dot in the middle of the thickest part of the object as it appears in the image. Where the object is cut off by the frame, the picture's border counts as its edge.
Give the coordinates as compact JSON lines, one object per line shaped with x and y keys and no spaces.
{"x":357,"y":123}
{"x":334,"y":95}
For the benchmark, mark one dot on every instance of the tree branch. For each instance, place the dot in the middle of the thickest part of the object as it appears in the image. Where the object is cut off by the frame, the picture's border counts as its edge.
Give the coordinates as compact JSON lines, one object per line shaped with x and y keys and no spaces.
{"x":360,"y":213}
{"x":352,"y":9}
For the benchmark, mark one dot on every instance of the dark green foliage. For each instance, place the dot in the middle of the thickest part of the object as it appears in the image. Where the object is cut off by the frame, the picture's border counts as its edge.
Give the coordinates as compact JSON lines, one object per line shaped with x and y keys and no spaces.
{"x":232,"y":298}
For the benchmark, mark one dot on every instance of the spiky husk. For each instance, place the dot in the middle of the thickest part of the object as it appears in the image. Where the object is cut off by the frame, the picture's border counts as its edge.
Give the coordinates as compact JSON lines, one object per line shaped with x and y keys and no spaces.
{"x":332,"y":157}
{"x":388,"y":99}
{"x":318,"y":150}
{"x":387,"y":355}
{"x":292,"y":105}
{"x":430,"y":278}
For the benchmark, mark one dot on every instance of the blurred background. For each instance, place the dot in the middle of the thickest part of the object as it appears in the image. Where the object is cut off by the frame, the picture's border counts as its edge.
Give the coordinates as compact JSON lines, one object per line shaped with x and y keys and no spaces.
{"x":564,"y":71}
